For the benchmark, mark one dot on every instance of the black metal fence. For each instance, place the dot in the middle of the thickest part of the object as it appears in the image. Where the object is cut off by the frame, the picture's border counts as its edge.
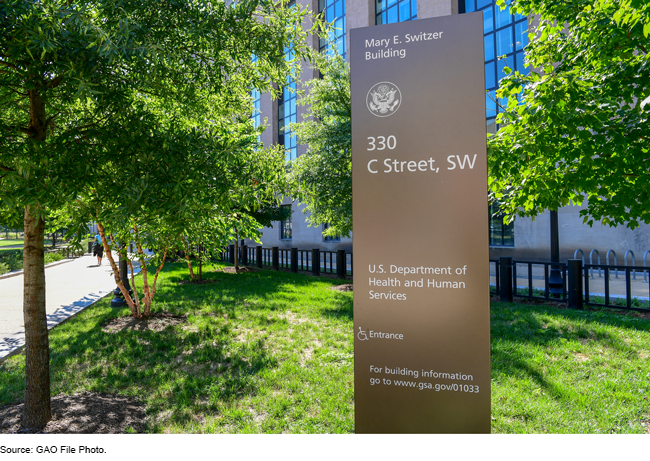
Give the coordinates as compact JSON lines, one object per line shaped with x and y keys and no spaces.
{"x":570,"y":282}
{"x":316,"y":261}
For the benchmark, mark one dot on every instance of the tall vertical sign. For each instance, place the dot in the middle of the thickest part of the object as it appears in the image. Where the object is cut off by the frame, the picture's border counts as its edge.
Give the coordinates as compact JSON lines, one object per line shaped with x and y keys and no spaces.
{"x":421,"y":265}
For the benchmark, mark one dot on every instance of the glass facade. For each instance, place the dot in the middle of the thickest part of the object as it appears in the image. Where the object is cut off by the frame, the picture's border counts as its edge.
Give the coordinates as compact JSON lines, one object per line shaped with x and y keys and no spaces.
{"x":333,"y":12}
{"x":286,"y":116}
{"x":257,"y":99}
{"x":390,"y":11}
{"x":286,"y":227}
{"x":287,"y":112}
{"x":256,"y":96}
{"x":501,"y":234}
{"x":505,"y":35}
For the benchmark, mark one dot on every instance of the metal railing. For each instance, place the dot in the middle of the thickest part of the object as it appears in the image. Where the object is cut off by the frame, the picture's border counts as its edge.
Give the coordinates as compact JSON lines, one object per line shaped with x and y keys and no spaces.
{"x":614,"y":300}
{"x":517,"y":279}
{"x":513,"y":279}
{"x":521,"y":275}
{"x":317,"y":262}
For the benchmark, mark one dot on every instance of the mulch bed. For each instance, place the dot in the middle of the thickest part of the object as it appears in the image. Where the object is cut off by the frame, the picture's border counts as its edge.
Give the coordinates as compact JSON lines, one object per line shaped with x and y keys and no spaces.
{"x":344,"y":287}
{"x":86,"y":413}
{"x":231,"y":269}
{"x":155,"y":322}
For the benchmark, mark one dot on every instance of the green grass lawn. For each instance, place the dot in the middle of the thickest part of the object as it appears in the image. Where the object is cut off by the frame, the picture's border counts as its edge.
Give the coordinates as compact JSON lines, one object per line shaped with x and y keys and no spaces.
{"x":565,"y":371}
{"x":272,"y":352}
{"x":18,"y":243}
{"x":10,"y":242}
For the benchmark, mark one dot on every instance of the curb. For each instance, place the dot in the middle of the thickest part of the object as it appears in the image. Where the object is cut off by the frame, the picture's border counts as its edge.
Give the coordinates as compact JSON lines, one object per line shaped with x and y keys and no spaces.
{"x":20,"y":272}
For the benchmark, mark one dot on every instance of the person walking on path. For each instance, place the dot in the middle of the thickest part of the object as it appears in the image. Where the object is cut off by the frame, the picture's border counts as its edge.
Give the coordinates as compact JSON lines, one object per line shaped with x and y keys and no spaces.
{"x":98,"y":249}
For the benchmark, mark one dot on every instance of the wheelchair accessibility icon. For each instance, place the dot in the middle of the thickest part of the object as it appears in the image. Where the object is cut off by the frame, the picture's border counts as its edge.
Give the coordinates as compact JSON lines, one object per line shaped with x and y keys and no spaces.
{"x":362,"y":335}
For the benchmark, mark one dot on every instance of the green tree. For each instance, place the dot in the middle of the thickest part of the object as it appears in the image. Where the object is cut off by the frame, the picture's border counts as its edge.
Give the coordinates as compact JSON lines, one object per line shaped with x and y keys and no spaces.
{"x":322,"y":178}
{"x":187,"y":187}
{"x":577,"y":127}
{"x":69,"y":71}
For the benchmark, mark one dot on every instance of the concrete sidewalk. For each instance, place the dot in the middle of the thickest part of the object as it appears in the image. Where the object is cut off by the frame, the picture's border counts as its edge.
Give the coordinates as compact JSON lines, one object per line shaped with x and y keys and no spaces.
{"x":69,"y":288}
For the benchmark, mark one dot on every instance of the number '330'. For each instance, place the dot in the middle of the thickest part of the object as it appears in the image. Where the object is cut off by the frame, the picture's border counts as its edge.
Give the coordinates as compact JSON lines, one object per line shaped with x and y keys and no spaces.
{"x":381,"y":142}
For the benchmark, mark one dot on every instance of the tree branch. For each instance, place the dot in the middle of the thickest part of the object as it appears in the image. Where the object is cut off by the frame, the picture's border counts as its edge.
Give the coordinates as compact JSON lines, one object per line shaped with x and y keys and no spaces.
{"x":21,"y":129}
{"x":54,"y":83}
{"x":11,"y":66}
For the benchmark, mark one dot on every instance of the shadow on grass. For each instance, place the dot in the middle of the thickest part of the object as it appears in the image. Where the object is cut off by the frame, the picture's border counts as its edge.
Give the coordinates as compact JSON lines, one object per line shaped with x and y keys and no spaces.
{"x":179,"y":370}
{"x":266,"y":289}
{"x":186,"y":369}
{"x":518,"y":331}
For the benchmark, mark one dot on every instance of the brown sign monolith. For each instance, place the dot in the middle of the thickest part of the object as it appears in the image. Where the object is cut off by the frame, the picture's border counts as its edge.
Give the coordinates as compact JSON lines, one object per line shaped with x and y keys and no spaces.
{"x":421,"y":265}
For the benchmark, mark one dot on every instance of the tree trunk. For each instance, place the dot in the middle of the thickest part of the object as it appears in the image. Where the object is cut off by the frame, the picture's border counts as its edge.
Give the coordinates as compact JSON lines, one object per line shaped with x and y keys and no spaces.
{"x":200,"y":262}
{"x":135,"y":310}
{"x":236,"y":251}
{"x":37,"y":411}
{"x":136,"y":298}
{"x":189,"y":266}
{"x":152,"y":291}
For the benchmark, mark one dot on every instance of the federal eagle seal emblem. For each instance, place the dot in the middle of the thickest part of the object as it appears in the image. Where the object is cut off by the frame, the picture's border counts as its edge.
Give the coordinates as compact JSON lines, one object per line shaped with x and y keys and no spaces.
{"x":383,"y":99}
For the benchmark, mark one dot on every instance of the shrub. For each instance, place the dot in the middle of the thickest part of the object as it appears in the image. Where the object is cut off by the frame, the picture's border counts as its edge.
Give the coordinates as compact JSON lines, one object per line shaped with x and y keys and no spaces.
{"x":53,"y":257}
{"x":13,"y":259}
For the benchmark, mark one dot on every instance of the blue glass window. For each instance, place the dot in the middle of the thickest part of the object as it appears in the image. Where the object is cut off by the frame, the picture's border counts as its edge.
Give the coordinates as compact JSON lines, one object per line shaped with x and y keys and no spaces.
{"x":521,"y":34}
{"x":506,"y":35}
{"x":490,"y":104}
{"x":503,"y":16}
{"x":257,"y":99}
{"x":490,"y":81}
{"x":392,"y":15}
{"x":489,"y":47}
{"x":488,"y":20}
{"x":287,"y":112}
{"x":333,"y":12}
{"x":521,"y":67}
{"x":286,"y":116}
{"x":391,"y":11}
{"x":504,"y":41}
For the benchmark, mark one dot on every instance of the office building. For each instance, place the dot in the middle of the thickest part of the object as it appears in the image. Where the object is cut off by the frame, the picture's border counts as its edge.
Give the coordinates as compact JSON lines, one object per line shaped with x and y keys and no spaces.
{"x":505,"y":34}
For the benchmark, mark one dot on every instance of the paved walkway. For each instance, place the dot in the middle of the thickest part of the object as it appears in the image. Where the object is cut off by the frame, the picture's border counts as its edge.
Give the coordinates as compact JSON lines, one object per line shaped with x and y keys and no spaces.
{"x":70,"y":287}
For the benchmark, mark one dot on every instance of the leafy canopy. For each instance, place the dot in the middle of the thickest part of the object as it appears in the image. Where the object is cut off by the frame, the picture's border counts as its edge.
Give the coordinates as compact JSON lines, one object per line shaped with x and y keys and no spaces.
{"x":322,"y":178}
{"x":577,"y":128}
{"x":72,"y":72}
